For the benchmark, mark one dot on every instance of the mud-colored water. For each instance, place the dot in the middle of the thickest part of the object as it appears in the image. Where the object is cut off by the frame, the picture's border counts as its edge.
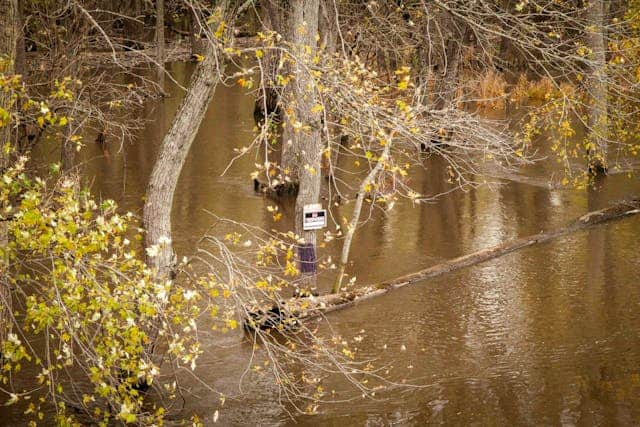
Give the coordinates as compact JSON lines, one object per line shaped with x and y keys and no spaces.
{"x":549,"y":335}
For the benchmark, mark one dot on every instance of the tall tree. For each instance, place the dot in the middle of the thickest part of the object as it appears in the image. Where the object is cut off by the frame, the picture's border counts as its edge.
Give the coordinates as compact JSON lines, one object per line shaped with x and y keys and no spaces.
{"x":172,"y":155}
{"x":8,"y":39}
{"x":449,"y":41}
{"x":160,"y":42}
{"x":302,"y":143}
{"x":328,"y":26}
{"x":598,"y":115}
{"x":273,"y":16}
{"x":21,"y":66}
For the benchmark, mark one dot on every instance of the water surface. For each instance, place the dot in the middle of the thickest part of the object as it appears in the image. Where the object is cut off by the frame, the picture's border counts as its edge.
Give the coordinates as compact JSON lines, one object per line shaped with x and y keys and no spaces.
{"x":548,"y":335}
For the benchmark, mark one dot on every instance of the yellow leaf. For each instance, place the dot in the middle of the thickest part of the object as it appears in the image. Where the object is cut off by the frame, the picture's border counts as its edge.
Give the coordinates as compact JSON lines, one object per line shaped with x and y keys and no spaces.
{"x":4,"y":117}
{"x":220,"y":31}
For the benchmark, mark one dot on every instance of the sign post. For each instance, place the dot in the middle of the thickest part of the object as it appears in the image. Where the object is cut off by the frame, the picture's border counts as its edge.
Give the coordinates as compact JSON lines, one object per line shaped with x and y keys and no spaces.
{"x":314,"y":217}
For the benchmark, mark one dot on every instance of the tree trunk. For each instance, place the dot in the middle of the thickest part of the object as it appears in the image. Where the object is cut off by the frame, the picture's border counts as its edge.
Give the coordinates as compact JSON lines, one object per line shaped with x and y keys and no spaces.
{"x":69,"y":151}
{"x":598,"y":128}
{"x":173,"y":152}
{"x":509,"y":56}
{"x":328,"y":27}
{"x":160,"y":43}
{"x":346,"y":247}
{"x":328,"y":31}
{"x":21,"y":67}
{"x":448,"y":63}
{"x":303,"y":125}
{"x":274,"y":15}
{"x":194,"y":32}
{"x":133,"y":27}
{"x":175,"y":146}
{"x":68,"y":155}
{"x":8,"y":39}
{"x":5,"y":289}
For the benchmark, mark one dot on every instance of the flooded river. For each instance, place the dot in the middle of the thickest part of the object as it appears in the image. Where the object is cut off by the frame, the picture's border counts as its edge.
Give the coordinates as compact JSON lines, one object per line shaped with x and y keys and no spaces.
{"x":549,"y":335}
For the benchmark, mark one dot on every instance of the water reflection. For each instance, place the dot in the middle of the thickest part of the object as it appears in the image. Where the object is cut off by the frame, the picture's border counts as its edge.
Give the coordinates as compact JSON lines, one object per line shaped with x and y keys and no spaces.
{"x":547,"y":335}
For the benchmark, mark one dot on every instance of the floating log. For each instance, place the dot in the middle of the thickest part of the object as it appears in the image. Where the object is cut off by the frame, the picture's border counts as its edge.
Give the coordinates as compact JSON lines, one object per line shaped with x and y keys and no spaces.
{"x":308,"y":308}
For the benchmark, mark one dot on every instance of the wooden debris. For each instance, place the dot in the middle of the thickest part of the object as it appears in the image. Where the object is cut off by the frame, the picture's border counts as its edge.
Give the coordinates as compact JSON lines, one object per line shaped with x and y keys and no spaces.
{"x":318,"y":306}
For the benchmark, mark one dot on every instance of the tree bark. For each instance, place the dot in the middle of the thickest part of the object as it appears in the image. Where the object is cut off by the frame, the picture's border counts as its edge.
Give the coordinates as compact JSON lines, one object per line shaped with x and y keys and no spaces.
{"x":274,"y":15}
{"x":21,"y":67}
{"x":303,"y":127}
{"x":68,"y":151}
{"x":451,"y":39}
{"x":328,"y":27}
{"x":311,"y":308}
{"x":173,"y":152}
{"x":440,"y":57}
{"x":346,"y":247}
{"x":8,"y":39}
{"x":598,"y":128}
{"x":328,"y":31}
{"x":68,"y":155}
{"x":194,"y":32}
{"x":160,"y":43}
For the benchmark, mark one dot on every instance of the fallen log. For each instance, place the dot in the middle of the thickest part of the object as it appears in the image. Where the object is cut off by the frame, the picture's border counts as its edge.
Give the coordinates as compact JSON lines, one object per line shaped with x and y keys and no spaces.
{"x":306,"y":308}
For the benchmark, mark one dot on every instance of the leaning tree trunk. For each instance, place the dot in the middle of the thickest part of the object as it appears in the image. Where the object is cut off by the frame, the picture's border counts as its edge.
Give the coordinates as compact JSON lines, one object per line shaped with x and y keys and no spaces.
{"x":303,"y":138}
{"x":8,"y":39}
{"x":173,"y":152}
{"x":597,"y":140}
{"x":175,"y":146}
{"x":346,"y":246}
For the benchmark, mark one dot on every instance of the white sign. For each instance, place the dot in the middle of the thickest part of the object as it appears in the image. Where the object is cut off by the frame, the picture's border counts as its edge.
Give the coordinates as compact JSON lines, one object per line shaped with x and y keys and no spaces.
{"x":314,"y":217}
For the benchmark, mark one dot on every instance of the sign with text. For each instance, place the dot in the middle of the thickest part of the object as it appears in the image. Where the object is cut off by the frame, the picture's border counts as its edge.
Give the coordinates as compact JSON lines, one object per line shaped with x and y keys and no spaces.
{"x":314,"y":217}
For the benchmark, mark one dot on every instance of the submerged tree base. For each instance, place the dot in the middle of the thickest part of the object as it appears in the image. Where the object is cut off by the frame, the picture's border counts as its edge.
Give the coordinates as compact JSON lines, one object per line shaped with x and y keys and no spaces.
{"x":597,"y":168}
{"x":276,"y":317}
{"x":284,"y":189}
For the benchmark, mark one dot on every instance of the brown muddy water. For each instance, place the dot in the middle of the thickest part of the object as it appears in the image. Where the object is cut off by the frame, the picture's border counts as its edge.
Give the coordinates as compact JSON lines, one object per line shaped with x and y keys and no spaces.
{"x":549,"y":335}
